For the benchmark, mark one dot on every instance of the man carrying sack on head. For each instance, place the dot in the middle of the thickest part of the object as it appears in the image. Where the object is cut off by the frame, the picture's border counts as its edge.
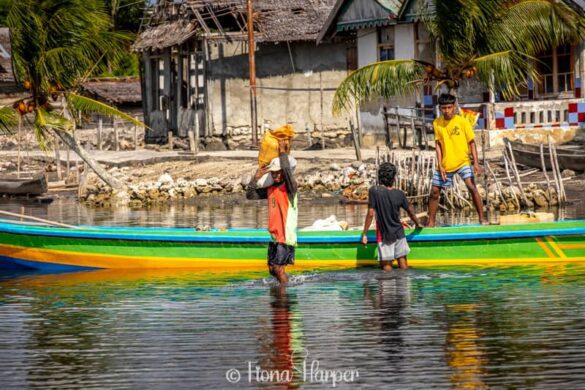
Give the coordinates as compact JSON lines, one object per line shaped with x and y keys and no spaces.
{"x":282,"y":209}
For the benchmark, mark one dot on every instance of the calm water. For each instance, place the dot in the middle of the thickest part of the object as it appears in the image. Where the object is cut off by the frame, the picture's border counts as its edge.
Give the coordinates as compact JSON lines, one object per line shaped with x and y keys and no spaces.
{"x":517,"y":327}
{"x":227,"y":213}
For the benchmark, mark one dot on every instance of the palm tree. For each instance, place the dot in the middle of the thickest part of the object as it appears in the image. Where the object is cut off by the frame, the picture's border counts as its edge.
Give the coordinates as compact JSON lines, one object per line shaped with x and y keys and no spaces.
{"x":56,"y":45}
{"x":494,"y":40}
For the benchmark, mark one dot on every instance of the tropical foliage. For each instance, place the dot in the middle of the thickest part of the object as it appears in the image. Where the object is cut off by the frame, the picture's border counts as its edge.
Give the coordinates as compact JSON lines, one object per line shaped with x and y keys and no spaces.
{"x":4,"y":7}
{"x":56,"y":45}
{"x":495,"y":41}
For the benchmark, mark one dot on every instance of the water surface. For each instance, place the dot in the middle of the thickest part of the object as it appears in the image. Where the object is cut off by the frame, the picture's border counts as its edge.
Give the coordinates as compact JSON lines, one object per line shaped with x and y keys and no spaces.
{"x":511,"y":327}
{"x":227,"y":212}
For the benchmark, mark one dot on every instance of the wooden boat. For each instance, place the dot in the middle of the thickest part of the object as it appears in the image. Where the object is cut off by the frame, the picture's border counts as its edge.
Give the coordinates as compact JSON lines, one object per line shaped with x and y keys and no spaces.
{"x":529,"y":155}
{"x":13,"y":186}
{"x":92,"y":247}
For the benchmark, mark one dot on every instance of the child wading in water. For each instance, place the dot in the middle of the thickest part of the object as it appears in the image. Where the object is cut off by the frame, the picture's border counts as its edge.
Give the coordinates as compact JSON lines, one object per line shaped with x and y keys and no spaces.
{"x":385,"y":202}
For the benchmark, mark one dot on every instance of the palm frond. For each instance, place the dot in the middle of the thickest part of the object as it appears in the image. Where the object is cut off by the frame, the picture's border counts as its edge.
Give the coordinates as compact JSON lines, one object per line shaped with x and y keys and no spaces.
{"x":45,"y":122}
{"x":380,"y":79}
{"x":505,"y":71}
{"x":534,"y":26}
{"x":460,"y":25}
{"x":8,"y":119}
{"x":88,"y":105}
{"x":56,"y":42}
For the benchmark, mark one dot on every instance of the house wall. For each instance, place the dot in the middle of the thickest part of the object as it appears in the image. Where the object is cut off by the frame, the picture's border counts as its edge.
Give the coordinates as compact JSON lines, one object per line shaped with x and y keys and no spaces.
{"x":367,"y":47}
{"x":295,"y":86}
{"x":372,"y":120}
{"x":404,"y":41}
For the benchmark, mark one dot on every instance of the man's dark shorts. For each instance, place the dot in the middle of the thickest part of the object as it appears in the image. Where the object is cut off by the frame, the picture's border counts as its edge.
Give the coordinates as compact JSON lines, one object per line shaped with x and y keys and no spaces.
{"x":280,"y":254}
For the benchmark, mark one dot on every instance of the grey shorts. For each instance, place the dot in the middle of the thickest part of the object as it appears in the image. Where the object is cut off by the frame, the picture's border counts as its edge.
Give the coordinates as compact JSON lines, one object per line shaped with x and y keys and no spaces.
{"x":464,"y":172}
{"x":393,"y":251}
{"x":280,"y":254}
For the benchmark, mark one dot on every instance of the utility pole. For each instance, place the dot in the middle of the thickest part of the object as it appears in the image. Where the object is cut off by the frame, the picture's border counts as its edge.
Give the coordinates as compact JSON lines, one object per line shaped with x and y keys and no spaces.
{"x":252,"y":66}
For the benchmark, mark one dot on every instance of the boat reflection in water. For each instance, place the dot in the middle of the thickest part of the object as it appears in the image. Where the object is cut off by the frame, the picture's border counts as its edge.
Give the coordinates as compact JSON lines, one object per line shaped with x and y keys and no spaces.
{"x":462,"y":327}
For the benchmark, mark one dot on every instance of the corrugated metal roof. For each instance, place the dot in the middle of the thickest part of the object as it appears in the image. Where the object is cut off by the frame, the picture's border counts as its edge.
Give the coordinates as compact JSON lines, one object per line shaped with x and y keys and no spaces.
{"x":362,"y":24}
{"x":391,"y":5}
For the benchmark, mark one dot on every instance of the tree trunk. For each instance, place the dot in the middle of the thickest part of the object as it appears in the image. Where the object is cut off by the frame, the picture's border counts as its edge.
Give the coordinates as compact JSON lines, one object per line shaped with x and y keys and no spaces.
{"x":93,"y":164}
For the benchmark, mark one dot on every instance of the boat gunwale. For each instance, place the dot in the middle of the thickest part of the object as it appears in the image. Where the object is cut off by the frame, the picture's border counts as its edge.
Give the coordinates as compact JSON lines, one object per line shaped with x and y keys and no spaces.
{"x":314,"y":237}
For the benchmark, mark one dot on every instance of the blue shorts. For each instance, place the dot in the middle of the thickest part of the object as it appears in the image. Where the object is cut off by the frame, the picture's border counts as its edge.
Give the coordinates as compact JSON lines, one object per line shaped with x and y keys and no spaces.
{"x":464,"y":172}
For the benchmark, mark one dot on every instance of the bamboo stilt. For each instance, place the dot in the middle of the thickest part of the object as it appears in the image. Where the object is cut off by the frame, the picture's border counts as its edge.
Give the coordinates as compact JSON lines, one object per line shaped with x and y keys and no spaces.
{"x":510,"y":183}
{"x":544,"y":170}
{"x":553,"y":167}
{"x":19,"y":141}
{"x":58,"y":160}
{"x":515,"y":171}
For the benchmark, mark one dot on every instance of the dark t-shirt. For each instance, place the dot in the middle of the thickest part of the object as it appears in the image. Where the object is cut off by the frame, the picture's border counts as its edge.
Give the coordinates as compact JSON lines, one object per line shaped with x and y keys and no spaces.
{"x":387,"y":203}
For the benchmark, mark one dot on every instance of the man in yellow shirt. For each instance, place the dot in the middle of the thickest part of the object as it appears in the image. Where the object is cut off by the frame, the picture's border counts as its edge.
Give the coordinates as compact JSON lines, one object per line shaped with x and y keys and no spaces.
{"x":454,"y":139}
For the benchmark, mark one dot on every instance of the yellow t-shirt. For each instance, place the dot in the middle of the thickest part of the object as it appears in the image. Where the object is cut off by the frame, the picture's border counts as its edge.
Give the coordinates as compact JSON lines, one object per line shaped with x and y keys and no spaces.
{"x":454,"y":136}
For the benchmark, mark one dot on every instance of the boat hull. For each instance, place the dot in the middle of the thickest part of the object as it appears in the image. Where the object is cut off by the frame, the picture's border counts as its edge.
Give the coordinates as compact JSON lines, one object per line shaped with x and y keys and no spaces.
{"x":58,"y":249}
{"x":529,"y":155}
{"x":12,"y":186}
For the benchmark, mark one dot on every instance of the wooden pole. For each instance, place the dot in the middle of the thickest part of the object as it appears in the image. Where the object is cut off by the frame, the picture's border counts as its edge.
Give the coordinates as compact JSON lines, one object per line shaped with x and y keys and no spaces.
{"x":377,"y":163}
{"x":116,"y":141}
{"x":510,"y":183}
{"x":19,"y":140}
{"x":170,"y":139}
{"x":387,"y":127}
{"x":517,"y":176}
{"x":252,"y":69}
{"x":321,"y":114}
{"x":544,"y":169}
{"x":58,"y":159}
{"x":498,"y":187}
{"x":22,"y":216}
{"x":191,"y":136}
{"x":68,"y":162}
{"x":356,"y":144}
{"x":553,"y":153}
{"x":554,"y":170}
{"x":99,"y":133}
{"x":485,"y":174}
{"x":136,"y":135}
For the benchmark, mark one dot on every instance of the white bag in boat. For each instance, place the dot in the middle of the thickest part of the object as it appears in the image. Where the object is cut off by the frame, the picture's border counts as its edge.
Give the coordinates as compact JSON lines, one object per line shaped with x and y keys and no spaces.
{"x":328,"y":224}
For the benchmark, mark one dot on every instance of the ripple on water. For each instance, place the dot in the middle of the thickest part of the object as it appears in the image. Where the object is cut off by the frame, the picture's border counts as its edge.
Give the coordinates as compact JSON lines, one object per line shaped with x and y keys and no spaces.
{"x":466,"y":327}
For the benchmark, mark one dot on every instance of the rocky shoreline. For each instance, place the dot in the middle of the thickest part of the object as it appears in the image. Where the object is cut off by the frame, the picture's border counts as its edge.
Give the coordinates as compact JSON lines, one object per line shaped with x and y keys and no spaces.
{"x":351,"y":182}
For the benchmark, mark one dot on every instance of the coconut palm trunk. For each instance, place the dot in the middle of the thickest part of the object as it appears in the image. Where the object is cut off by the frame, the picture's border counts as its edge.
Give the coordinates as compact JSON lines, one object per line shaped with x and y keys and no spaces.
{"x":99,"y":170}
{"x":56,"y":46}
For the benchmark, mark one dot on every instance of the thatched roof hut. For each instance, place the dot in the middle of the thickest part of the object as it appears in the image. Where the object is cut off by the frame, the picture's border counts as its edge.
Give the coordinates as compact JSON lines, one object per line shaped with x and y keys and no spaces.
{"x":119,"y":91}
{"x":6,"y":75}
{"x":274,"y":21}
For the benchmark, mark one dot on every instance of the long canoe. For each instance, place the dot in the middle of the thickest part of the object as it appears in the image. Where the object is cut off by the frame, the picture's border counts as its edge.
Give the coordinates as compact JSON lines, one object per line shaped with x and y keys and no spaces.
{"x":529,"y":155}
{"x":92,"y":247}
{"x":14,"y":186}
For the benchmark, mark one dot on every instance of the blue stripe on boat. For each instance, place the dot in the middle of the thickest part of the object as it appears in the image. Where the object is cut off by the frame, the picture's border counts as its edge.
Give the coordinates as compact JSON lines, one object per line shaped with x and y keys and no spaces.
{"x":12,"y":263}
{"x":138,"y":234}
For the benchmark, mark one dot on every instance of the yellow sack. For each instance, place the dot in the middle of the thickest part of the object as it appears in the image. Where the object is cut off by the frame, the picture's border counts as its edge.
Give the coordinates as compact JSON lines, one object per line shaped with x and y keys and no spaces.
{"x":471,"y":116}
{"x":269,"y":144}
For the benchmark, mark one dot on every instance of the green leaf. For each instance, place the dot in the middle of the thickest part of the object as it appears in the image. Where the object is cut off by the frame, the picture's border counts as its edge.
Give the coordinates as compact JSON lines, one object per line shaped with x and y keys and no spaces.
{"x":380,"y":79}
{"x":87,"y":105}
{"x":8,"y":119}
